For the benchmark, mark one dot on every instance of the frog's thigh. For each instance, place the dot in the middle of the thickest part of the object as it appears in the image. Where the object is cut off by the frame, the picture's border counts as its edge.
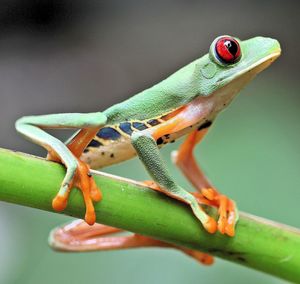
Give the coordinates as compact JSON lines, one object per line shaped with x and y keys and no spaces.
{"x":77,"y":236}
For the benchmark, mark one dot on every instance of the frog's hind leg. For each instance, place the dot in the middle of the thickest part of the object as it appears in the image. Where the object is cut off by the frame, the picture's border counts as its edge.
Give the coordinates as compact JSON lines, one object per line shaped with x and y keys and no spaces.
{"x":79,"y":237}
{"x":148,"y":153}
{"x":77,"y":172}
{"x":185,"y":160}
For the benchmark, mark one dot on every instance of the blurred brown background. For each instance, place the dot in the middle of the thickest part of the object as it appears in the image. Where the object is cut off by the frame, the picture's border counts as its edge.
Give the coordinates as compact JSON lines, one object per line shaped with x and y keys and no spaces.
{"x":83,"y":56}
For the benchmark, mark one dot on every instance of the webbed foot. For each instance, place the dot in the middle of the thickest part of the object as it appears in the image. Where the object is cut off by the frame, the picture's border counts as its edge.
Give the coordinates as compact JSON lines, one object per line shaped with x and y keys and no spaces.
{"x":227,"y":210}
{"x":78,"y":176}
{"x":78,"y":237}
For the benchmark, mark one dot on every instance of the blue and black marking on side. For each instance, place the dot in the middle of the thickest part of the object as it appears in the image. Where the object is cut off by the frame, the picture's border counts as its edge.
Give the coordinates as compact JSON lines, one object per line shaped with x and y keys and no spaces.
{"x":153,"y":122}
{"x":126,"y":127}
{"x":95,"y":143}
{"x":108,"y":133}
{"x":159,"y":141}
{"x":139,"y":125}
{"x":205,"y":125}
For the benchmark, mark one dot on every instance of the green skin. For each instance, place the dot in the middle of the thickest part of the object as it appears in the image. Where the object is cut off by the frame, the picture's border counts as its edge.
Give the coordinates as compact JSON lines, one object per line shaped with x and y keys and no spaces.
{"x":206,"y":81}
{"x":189,"y":82}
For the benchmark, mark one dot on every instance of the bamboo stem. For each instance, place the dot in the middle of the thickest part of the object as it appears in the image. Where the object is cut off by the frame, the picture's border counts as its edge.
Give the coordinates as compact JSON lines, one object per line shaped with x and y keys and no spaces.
{"x":261,"y":244}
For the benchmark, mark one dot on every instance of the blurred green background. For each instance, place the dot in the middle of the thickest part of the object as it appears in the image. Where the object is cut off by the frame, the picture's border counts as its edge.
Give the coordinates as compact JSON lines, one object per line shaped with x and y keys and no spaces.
{"x":83,"y":56}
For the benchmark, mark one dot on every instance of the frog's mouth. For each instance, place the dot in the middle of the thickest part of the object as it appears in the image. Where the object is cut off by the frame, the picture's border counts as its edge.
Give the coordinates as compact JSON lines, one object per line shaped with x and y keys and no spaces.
{"x":263,"y":63}
{"x":247,"y":73}
{"x":233,"y":84}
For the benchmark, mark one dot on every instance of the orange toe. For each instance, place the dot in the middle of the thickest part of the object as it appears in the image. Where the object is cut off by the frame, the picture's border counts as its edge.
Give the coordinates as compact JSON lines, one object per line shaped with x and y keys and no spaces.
{"x":90,"y":217}
{"x":59,"y":203}
{"x":211,"y":225}
{"x":226,"y":209}
{"x":202,"y":200}
{"x":209,"y":193}
{"x":206,"y":259}
{"x":84,"y":182}
{"x":202,"y":257}
{"x":230,"y":230}
{"x":95,"y":193}
{"x":222,"y":223}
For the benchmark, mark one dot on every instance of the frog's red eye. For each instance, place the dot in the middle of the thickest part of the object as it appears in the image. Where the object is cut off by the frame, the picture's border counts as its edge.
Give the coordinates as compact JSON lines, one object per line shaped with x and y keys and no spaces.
{"x":228,"y":50}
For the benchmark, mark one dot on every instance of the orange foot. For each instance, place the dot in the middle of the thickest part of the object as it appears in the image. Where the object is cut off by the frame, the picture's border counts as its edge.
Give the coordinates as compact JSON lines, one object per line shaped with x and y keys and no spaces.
{"x":83,"y":181}
{"x":226,"y":208}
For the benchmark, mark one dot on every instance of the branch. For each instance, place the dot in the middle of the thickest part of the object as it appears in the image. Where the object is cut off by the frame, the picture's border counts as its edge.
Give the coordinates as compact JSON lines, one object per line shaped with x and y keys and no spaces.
{"x":259,"y":243}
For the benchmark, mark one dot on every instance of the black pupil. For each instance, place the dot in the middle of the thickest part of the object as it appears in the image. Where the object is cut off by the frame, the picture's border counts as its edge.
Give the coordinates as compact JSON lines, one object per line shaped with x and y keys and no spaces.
{"x":231,"y":46}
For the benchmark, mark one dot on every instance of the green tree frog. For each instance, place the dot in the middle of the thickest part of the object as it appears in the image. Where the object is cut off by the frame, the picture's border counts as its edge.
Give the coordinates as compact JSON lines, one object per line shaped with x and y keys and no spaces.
{"x":184,"y":104}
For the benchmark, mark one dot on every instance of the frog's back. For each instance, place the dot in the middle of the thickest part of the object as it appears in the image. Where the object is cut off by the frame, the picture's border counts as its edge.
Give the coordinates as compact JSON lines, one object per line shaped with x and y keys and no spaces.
{"x":147,"y":109}
{"x":164,"y":97}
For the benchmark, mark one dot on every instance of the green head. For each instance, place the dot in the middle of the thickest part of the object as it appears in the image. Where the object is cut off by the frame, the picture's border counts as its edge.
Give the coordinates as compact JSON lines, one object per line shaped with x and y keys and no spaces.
{"x":229,"y":65}
{"x":232,"y":63}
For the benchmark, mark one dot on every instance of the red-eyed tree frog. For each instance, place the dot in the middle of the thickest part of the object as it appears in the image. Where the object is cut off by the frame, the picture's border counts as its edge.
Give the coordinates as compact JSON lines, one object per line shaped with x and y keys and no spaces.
{"x":186,"y":103}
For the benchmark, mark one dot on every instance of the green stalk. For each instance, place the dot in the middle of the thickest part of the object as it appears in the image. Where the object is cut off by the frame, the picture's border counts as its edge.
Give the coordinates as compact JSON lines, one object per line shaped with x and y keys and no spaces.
{"x":261,"y":244}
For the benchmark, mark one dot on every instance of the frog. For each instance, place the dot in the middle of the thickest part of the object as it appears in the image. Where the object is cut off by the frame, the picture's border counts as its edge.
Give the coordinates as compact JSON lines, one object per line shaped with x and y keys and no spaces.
{"x":185,"y":104}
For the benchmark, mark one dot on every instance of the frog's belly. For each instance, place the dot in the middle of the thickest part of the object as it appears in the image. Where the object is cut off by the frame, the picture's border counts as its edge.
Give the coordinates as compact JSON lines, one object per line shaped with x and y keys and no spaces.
{"x":114,"y":152}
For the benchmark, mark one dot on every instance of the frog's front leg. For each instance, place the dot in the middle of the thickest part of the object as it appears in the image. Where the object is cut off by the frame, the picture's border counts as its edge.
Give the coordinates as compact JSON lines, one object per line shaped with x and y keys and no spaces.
{"x":79,"y":237}
{"x":185,"y":160}
{"x":77,"y":174}
{"x":148,"y":153}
